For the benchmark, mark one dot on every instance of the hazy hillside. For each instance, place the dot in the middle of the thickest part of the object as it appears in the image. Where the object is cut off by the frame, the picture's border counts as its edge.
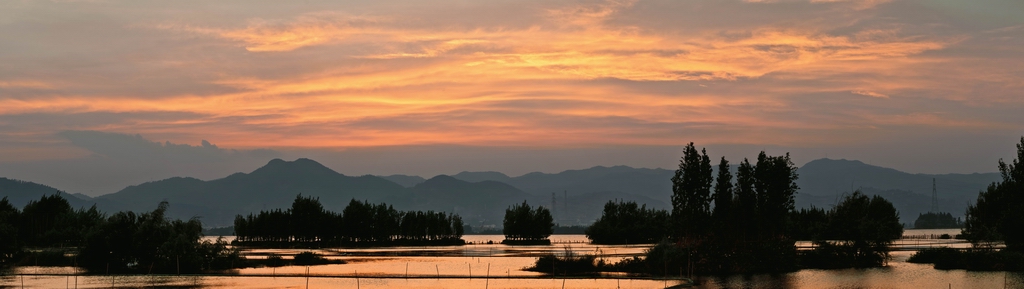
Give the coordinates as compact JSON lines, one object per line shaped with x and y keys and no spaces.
{"x":482,"y":197}
{"x":404,"y":180}
{"x":823,"y":181}
{"x":20,"y":193}
{"x":651,"y":183}
{"x":483,"y":176}
{"x":272,"y":186}
{"x":478,"y":202}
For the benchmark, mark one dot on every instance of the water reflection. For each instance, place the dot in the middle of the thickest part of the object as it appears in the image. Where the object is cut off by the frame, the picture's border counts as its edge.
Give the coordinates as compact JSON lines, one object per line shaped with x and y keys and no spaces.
{"x":498,"y":266}
{"x":899,"y":274}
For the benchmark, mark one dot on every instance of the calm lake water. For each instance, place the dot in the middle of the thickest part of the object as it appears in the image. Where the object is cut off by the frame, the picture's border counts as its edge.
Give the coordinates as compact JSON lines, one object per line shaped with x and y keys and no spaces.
{"x":482,"y":265}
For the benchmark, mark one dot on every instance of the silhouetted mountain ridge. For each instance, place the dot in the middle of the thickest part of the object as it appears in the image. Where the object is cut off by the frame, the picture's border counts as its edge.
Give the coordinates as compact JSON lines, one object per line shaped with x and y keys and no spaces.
{"x":823,"y":181}
{"x":404,"y":180}
{"x":20,"y":192}
{"x":481,"y":197}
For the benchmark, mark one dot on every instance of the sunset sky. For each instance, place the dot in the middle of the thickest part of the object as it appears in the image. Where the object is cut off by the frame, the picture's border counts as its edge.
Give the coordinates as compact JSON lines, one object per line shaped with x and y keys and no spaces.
{"x":97,"y":94}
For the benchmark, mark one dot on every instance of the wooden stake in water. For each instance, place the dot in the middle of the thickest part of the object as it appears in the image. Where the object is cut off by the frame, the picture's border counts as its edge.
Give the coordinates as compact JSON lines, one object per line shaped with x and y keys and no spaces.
{"x":488,"y":278}
{"x":307,"y":277}
{"x":470,"y":270}
{"x":438,"y":271}
{"x":406,"y":270}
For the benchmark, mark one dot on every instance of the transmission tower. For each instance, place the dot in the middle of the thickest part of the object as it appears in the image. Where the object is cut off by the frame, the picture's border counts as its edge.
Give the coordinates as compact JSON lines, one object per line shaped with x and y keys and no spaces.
{"x":554,"y":211}
{"x":935,"y":198}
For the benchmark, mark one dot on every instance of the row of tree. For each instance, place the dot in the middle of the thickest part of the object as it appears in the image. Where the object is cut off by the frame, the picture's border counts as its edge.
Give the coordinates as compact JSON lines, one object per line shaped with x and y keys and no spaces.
{"x":858,"y":218}
{"x":525,"y":223}
{"x":627,"y":223}
{"x":931,"y":220}
{"x":756,"y":207}
{"x":151,"y":243}
{"x":48,"y":222}
{"x":360,"y":222}
{"x":124,"y":242}
{"x":857,"y":232}
{"x":749,"y":225}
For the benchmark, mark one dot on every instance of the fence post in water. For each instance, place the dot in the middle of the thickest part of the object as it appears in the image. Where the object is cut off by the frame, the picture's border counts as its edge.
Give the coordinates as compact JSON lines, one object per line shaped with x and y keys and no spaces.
{"x":307,"y":277}
{"x":406,"y":270}
{"x":470,"y":270}
{"x":488,"y":278}
{"x":438,"y":271}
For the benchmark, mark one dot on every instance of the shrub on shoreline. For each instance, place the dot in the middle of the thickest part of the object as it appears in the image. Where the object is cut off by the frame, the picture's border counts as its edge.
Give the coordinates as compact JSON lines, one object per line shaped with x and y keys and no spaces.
{"x":971,"y":259}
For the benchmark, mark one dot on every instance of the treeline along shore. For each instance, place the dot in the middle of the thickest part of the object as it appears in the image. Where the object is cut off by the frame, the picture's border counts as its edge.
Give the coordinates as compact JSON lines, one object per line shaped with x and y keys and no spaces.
{"x":718,"y":224}
{"x":307,"y":223}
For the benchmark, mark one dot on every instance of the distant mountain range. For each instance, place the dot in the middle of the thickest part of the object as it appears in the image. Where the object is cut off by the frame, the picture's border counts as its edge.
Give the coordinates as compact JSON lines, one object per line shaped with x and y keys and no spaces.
{"x":481,"y":197}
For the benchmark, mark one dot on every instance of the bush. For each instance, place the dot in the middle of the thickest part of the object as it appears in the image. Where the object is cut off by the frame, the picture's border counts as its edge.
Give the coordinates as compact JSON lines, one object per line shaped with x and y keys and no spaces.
{"x":569,"y":263}
{"x":844,"y":255}
{"x":974,"y":259}
{"x":274,"y":261}
{"x":309,"y":258}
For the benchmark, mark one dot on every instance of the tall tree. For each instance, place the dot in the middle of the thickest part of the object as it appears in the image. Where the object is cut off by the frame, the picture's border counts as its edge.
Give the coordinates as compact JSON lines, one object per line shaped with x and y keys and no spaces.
{"x":999,"y":211}
{"x":8,"y":230}
{"x":307,"y":218}
{"x":723,"y":197}
{"x":745,"y":203}
{"x":48,"y":222}
{"x":691,"y":193}
{"x":775,"y":185}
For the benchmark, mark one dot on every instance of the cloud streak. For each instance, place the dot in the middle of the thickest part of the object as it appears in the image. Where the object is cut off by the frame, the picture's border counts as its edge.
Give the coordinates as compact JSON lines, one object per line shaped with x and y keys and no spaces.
{"x":541,"y":75}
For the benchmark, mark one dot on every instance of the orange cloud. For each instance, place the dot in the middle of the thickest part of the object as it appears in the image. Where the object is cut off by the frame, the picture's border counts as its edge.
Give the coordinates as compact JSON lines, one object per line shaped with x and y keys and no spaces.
{"x":581,"y":75}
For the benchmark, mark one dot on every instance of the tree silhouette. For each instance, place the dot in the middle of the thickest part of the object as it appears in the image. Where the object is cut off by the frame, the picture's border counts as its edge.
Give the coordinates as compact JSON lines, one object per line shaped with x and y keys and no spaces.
{"x":858,"y":233}
{"x":932,"y":220}
{"x":359,"y":223}
{"x":127,"y":242}
{"x":524,"y":223}
{"x":745,"y":203}
{"x":691,"y":194}
{"x":998,"y":213}
{"x":775,"y":185}
{"x":8,"y":230}
{"x":627,"y":223}
{"x":722,"y":214}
